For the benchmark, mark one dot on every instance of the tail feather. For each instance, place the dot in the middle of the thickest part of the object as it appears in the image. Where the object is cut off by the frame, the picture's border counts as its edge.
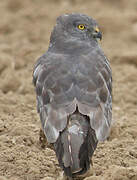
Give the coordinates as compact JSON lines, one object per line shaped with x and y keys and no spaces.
{"x":60,"y":151}
{"x":87,"y":149}
{"x":76,"y":145}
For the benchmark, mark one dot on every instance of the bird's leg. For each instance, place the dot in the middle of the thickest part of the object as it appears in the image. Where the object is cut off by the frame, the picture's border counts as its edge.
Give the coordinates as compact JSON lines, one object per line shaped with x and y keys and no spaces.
{"x":43,"y":141}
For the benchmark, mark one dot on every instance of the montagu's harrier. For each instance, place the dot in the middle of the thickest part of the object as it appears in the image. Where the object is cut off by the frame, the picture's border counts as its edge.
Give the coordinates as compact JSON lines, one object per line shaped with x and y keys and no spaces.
{"x":73,"y":85}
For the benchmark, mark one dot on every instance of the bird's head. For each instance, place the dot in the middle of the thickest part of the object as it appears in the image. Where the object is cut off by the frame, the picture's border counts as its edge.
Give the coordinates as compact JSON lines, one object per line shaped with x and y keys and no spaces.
{"x":74,"y":33}
{"x":76,"y":26}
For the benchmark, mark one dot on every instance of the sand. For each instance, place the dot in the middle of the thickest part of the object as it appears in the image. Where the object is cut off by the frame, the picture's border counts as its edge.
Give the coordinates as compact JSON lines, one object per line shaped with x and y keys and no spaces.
{"x":25,"y":28}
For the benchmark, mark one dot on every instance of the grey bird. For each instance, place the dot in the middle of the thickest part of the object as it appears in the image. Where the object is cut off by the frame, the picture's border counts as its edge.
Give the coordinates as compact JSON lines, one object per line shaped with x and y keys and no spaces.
{"x":73,"y":82}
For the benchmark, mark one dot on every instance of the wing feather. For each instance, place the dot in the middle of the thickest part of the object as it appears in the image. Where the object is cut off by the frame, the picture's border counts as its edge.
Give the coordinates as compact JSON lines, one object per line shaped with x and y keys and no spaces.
{"x":64,"y":83}
{"x":101,"y":115}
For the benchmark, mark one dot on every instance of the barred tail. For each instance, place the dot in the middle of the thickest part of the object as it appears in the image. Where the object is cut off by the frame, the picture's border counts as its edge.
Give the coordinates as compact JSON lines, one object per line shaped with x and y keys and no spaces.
{"x":76,"y":145}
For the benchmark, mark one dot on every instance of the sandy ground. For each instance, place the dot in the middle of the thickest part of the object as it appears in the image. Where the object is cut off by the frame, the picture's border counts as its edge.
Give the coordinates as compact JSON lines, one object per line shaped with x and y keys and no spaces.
{"x":25,"y":28}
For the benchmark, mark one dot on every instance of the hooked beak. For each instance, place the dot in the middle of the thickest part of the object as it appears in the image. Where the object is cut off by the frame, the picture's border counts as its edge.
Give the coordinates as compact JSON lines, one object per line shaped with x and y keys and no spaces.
{"x":98,"y":35}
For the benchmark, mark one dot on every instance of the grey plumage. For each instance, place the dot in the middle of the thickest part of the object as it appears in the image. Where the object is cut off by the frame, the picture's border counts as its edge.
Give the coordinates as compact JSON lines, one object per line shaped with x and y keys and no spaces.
{"x":73,"y":85}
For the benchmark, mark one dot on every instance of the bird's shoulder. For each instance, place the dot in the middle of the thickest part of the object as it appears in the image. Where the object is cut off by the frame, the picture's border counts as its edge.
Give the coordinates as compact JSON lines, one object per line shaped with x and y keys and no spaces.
{"x":47,"y":64}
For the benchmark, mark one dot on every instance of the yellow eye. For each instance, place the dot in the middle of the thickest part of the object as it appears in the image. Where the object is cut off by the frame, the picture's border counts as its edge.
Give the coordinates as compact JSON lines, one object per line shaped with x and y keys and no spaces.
{"x":81,"y":26}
